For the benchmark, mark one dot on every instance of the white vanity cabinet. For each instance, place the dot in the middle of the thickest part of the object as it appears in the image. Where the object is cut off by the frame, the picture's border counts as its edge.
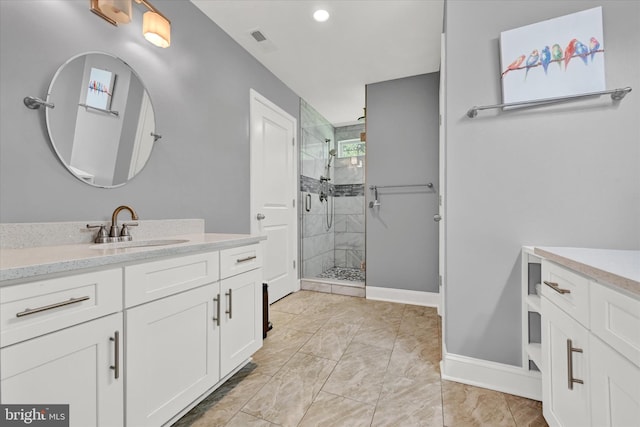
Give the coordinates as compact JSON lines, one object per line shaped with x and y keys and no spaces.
{"x":190,"y":321}
{"x":590,"y":350}
{"x":61,"y":345}
{"x":134,"y":342}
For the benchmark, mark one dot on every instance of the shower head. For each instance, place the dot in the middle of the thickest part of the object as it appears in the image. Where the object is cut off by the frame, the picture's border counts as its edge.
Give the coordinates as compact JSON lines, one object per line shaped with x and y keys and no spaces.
{"x":332,"y":154}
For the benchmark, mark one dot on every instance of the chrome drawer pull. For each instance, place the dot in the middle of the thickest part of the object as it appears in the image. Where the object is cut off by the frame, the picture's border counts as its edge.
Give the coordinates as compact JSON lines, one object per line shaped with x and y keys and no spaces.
{"x":116,"y":367}
{"x":570,"y":350}
{"x":216,"y":300}
{"x":230,"y":303}
{"x":557,"y":288}
{"x":249,"y":258}
{"x":29,"y":311}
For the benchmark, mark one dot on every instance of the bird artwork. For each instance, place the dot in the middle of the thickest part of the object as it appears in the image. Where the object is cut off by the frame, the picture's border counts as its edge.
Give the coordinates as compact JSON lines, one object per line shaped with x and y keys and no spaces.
{"x":556,"y":54}
{"x":545,"y":58}
{"x":514,"y":65}
{"x":583,"y":52}
{"x":569,"y":51}
{"x":594,"y":45}
{"x":531,"y":61}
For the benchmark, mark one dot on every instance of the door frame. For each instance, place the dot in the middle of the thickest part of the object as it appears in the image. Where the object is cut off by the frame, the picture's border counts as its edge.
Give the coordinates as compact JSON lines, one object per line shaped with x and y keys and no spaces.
{"x":256,"y":97}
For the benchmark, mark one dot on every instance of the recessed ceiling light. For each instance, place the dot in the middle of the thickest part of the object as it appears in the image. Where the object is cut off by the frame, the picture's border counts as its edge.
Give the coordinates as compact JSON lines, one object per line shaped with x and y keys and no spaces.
{"x":320,"y":15}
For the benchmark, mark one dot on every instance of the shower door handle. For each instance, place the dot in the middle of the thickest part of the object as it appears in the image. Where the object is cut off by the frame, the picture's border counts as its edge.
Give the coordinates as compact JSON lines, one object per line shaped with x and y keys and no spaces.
{"x":307,"y":202}
{"x":260,"y":217}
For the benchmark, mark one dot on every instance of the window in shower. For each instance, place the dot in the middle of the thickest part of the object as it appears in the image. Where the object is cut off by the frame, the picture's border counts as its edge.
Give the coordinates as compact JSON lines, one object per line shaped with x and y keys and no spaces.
{"x":351,"y":148}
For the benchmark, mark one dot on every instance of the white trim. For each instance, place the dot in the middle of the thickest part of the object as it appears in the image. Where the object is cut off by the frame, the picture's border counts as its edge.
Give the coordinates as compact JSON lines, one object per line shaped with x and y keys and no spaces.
{"x":492,"y":375}
{"x":403,"y":296}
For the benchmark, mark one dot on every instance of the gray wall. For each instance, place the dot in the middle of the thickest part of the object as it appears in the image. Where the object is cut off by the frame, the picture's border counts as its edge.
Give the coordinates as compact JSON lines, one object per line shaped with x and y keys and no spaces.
{"x":567,"y":175}
{"x":200,"y":92}
{"x":402,"y":148}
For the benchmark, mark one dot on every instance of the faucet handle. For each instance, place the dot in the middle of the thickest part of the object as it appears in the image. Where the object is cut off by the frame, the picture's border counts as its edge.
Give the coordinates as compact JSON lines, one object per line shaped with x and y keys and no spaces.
{"x":124,"y":233}
{"x":102,"y":236}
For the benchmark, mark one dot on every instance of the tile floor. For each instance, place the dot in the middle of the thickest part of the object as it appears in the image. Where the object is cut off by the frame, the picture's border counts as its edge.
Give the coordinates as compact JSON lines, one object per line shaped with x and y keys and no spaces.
{"x":334,"y":361}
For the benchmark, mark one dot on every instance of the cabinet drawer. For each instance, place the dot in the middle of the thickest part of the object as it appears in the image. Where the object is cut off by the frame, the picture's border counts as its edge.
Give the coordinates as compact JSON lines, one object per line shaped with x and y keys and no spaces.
{"x":37,"y":308}
{"x":615,"y":319}
{"x":158,"y":279}
{"x":567,"y":290}
{"x":238,"y":260}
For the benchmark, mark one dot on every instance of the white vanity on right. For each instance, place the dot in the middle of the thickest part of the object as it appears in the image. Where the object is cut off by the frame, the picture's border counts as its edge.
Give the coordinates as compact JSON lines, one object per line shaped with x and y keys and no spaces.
{"x":589,"y":354}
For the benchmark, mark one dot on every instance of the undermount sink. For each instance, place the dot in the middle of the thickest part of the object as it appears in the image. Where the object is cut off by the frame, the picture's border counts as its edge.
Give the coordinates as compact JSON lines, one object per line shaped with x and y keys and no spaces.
{"x":139,"y":244}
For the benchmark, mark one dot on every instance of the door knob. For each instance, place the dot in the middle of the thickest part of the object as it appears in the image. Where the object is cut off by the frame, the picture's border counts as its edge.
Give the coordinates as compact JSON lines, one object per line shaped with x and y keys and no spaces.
{"x":260,"y":217}
{"x":437,"y":218}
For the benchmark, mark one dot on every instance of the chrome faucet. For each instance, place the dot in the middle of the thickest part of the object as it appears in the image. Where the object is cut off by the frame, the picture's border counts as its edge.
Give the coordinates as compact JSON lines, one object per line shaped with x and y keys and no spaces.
{"x":124,"y":234}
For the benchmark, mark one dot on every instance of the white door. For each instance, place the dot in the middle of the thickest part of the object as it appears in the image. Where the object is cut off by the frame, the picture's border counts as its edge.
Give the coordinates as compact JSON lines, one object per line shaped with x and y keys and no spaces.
{"x":441,"y":179}
{"x":273,"y":192}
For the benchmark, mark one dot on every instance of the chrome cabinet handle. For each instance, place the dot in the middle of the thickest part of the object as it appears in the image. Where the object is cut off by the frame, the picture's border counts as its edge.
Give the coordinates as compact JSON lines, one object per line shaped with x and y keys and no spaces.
{"x":570,"y":350}
{"x":116,"y":366}
{"x":230,"y":304}
{"x":29,"y":311}
{"x":437,"y":218}
{"x":216,"y":300}
{"x":557,"y":288}
{"x":260,"y":217}
{"x":249,"y":258}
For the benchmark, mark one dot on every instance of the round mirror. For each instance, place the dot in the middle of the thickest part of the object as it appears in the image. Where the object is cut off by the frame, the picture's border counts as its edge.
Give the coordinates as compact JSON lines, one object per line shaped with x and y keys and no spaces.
{"x":102,"y":126}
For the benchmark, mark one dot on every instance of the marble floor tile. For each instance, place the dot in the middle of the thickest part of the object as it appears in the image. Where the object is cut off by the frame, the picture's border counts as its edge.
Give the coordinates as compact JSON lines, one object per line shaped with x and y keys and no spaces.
{"x":360,"y":373}
{"x":221,"y":405}
{"x":336,"y":361}
{"x":329,"y":410}
{"x":409,"y":402}
{"x":285,"y":398}
{"x":526,"y":412}
{"x":279,"y":346}
{"x":245,"y":420}
{"x":469,"y":406}
{"x":415,"y":357}
{"x":331,"y":341}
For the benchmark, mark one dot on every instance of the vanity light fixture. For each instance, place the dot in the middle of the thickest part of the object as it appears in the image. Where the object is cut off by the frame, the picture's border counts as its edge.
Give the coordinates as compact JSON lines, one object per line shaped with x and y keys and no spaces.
{"x":113,"y":11}
{"x":156,"y":28}
{"x":321,"y":15}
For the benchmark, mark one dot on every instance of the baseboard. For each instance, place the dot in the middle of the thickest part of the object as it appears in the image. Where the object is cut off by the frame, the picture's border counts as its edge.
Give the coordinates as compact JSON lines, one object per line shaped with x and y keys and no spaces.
{"x":404,"y":296}
{"x":492,"y":375}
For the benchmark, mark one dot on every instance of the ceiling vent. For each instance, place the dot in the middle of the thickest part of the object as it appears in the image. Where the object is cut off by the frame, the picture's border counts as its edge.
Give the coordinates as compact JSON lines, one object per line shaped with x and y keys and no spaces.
{"x":258,"y":36}
{"x":264,"y":43}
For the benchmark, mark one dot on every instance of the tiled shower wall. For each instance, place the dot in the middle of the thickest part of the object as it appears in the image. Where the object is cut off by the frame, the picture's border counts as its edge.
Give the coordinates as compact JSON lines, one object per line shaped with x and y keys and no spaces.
{"x":349,"y":204}
{"x":317,"y":241}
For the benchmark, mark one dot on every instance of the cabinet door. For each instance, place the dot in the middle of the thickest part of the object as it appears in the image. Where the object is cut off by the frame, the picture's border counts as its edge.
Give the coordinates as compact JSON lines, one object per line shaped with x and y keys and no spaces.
{"x":172,"y":355}
{"x":565,"y":353}
{"x":241,"y":329}
{"x":615,"y":389}
{"x":74,"y":366}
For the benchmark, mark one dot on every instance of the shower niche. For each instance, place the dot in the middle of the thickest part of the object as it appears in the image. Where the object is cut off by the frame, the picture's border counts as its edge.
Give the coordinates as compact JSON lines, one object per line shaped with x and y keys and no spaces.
{"x":331,"y":219}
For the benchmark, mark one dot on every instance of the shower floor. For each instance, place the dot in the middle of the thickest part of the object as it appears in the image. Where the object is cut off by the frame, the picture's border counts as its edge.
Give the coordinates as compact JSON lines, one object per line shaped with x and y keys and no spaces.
{"x":343,"y":273}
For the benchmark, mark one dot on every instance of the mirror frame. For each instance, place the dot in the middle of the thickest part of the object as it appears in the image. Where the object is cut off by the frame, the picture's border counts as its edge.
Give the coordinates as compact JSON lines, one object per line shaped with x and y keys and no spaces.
{"x":48,"y":118}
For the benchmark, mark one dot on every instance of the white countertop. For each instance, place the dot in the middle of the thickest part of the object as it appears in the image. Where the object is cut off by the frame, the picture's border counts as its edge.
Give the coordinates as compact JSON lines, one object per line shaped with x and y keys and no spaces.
{"x":23,"y":263}
{"x":618,"y":268}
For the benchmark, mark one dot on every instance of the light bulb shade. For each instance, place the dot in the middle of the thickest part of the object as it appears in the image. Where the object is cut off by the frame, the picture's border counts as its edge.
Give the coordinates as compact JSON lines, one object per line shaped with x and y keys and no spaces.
{"x":156,"y":29}
{"x":118,"y":10}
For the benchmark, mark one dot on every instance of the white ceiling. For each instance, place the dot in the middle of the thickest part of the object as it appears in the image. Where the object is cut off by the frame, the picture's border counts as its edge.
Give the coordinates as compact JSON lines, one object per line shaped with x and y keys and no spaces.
{"x":328,"y":64}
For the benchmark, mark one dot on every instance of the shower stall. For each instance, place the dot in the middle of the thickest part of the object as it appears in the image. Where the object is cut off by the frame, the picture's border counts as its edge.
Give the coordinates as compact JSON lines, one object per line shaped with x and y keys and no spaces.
{"x":331,"y":219}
